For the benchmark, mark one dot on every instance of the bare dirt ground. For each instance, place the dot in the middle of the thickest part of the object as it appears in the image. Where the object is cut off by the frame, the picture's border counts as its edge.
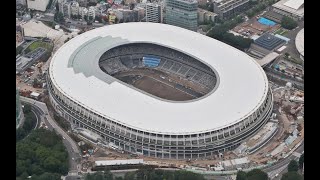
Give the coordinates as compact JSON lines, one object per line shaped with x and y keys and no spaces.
{"x":160,"y":89}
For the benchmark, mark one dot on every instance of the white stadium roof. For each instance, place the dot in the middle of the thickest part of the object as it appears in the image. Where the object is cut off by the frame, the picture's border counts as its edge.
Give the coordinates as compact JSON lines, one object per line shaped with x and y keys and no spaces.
{"x":295,"y":7}
{"x":241,"y":88}
{"x":294,"y":4}
{"x":300,"y":42}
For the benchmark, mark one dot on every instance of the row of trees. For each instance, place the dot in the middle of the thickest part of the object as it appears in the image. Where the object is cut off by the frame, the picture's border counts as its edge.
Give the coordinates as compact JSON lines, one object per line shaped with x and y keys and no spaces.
{"x":19,"y":50}
{"x":62,"y":122}
{"x":293,"y":168}
{"x":58,"y":16}
{"x":41,"y":155}
{"x":220,"y":32}
{"x":258,"y":6}
{"x":255,"y":174}
{"x":28,"y":124}
{"x":288,"y":23}
{"x":147,"y":174}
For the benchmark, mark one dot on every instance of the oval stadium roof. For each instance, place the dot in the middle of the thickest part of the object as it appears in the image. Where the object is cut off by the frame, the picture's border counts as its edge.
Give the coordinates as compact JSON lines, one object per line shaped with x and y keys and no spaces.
{"x":242,"y":86}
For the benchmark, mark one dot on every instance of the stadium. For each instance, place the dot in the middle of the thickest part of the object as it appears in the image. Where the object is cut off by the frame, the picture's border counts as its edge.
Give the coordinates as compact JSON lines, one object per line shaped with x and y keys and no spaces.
{"x":159,"y":90}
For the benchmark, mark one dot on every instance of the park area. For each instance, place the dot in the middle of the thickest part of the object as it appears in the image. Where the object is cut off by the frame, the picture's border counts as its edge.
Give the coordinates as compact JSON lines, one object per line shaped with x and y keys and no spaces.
{"x":37,"y":44}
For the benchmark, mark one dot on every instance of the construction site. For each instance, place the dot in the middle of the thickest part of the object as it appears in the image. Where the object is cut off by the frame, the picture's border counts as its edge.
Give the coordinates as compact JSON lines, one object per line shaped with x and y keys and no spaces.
{"x":274,"y":141}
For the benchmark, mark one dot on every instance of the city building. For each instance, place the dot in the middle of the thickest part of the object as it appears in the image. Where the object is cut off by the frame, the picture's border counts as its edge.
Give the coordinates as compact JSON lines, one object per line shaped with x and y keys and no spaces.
{"x":129,"y":15}
{"x":24,"y":62}
{"x":92,"y":12}
{"x":19,"y":112}
{"x":265,"y":44}
{"x":64,"y":8}
{"x":82,"y":89}
{"x":83,"y":3}
{"x":205,"y":16}
{"x":153,"y":12}
{"x":22,"y":2}
{"x":142,"y":13}
{"x":229,"y":8}
{"x":290,"y":8}
{"x":38,"y":5}
{"x":74,"y":8}
{"x":182,"y":13}
{"x":242,"y":163}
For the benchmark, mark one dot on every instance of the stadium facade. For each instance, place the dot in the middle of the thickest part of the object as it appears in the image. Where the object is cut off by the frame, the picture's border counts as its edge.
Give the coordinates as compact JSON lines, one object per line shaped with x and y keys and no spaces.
{"x":84,"y":92}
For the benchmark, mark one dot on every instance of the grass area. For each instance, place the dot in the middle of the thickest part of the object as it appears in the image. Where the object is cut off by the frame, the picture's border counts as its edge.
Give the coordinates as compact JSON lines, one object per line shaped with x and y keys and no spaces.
{"x":37,"y":44}
{"x":50,"y":24}
{"x":281,"y":31}
{"x":296,"y":61}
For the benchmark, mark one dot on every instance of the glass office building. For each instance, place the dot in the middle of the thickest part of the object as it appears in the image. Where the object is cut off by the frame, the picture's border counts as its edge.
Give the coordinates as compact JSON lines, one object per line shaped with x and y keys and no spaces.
{"x":182,"y":13}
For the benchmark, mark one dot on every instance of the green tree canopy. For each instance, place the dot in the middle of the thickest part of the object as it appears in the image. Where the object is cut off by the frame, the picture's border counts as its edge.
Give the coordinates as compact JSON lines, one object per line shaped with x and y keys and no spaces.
{"x":291,"y":176}
{"x":99,"y":176}
{"x":255,"y":174}
{"x":288,"y":23}
{"x":58,"y":16}
{"x":293,"y":166}
{"x":241,"y":175}
{"x":301,"y":161}
{"x":42,"y":151}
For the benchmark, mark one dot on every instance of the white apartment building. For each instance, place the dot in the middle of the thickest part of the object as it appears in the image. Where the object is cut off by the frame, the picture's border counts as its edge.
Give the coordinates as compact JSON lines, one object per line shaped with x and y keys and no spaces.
{"x":91,"y":12}
{"x":74,"y":8}
{"x":153,"y":12}
{"x":64,"y":8}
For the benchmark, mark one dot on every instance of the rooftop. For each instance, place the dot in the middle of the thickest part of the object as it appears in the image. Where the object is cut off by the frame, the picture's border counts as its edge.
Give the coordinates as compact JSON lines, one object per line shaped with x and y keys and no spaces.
{"x":295,"y":7}
{"x":75,"y":72}
{"x":269,"y":41}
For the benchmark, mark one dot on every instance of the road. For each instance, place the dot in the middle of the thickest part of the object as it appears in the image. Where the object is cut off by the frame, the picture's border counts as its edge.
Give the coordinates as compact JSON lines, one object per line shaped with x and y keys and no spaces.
{"x":41,"y":111}
{"x":281,"y":166}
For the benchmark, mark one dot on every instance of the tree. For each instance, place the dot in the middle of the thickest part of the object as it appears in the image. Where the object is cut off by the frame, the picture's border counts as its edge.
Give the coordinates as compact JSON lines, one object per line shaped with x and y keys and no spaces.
{"x":288,"y":23}
{"x":26,"y":109}
{"x":41,"y":155}
{"x":36,"y":83}
{"x":19,"y":50}
{"x":129,"y":176}
{"x":301,"y":159}
{"x":293,"y":166}
{"x":291,"y":176}
{"x":57,"y":6}
{"x":99,"y":176}
{"x":257,"y":174}
{"x":152,"y":174}
{"x":47,"y":176}
{"x":58,"y":16}
{"x":241,"y":175}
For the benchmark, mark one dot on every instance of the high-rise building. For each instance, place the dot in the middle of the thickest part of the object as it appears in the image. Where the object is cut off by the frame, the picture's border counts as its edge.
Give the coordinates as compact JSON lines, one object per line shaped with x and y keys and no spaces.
{"x":228,"y":8}
{"x":153,"y":13}
{"x":64,"y":8}
{"x":74,"y":8}
{"x":92,"y":12}
{"x":182,"y":13}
